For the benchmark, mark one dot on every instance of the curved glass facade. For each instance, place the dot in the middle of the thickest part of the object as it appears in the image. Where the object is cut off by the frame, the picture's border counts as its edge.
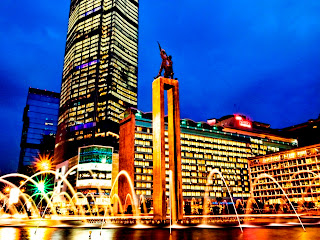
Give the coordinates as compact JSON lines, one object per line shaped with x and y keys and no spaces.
{"x":99,"y":75}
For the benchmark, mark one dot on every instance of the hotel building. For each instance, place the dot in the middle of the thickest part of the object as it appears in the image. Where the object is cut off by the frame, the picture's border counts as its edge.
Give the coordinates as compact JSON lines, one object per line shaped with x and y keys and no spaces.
{"x":224,"y":144}
{"x":40,"y":119}
{"x":99,"y":75}
{"x":296,"y":171}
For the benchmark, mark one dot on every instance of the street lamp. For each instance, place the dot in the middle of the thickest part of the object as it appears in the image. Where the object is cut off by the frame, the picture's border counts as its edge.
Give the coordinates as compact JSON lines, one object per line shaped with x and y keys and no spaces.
{"x":41,"y":186}
{"x":43,"y":162}
{"x":7,"y":189}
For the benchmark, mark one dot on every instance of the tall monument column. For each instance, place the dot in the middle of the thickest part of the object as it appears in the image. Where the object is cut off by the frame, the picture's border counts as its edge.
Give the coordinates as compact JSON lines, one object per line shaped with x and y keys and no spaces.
{"x":159,"y":85}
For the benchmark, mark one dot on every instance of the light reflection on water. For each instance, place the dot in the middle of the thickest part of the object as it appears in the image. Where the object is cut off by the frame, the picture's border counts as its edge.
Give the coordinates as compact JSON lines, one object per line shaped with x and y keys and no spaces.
{"x":283,"y":233}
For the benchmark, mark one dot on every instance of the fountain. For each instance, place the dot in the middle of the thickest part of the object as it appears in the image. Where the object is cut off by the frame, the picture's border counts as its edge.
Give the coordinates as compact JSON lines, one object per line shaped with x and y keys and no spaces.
{"x":114,"y":215}
{"x":206,"y":196}
{"x":264,"y":175}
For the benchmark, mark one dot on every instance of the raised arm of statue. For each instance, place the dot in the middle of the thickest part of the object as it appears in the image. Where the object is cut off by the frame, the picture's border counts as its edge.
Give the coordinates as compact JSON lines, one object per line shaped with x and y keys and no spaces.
{"x":166,"y":64}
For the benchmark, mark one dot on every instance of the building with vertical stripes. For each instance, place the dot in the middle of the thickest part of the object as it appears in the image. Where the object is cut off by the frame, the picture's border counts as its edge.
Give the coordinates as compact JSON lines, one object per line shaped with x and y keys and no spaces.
{"x":100,"y":71}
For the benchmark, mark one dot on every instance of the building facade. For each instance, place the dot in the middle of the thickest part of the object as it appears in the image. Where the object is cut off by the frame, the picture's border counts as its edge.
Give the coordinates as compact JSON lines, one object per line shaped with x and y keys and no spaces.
{"x":296,"y":171}
{"x":100,"y":74}
{"x":40,"y":119}
{"x":307,"y":133}
{"x":204,"y":146}
{"x":96,"y":171}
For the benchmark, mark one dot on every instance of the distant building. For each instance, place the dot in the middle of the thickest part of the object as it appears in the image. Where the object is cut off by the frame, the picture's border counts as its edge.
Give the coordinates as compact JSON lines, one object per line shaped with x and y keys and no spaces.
{"x":204,"y":146}
{"x":295,"y":170}
{"x":100,"y":74}
{"x":39,"y":126}
{"x":307,"y":133}
{"x":94,"y":177}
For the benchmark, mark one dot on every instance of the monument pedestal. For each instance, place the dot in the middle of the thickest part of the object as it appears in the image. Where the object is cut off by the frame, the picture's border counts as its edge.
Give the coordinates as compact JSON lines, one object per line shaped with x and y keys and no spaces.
{"x":160,"y":85}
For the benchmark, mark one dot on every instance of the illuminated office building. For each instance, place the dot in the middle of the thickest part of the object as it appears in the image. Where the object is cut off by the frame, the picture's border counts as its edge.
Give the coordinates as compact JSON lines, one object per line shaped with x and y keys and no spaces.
{"x":99,"y":75}
{"x":204,"y":146}
{"x":296,"y":171}
{"x":40,"y":119}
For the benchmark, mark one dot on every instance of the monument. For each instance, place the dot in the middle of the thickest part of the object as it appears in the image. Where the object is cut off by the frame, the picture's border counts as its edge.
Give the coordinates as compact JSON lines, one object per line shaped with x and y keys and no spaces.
{"x":159,"y":85}
{"x":166,"y":64}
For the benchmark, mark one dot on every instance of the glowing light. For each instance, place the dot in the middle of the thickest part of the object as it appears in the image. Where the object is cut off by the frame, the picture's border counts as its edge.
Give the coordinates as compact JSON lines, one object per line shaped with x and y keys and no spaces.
{"x":7,"y":189}
{"x":44,"y":162}
{"x":211,"y":121}
{"x":14,"y":195}
{"x":239,"y":118}
{"x":41,"y":186}
{"x":244,"y":123}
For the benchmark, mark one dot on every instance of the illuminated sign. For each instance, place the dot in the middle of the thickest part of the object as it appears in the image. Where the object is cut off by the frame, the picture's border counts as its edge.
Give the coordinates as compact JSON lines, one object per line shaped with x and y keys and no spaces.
{"x":211,"y":121}
{"x":271,"y":159}
{"x":81,"y":201}
{"x":102,"y":201}
{"x":94,"y":183}
{"x":243,"y":122}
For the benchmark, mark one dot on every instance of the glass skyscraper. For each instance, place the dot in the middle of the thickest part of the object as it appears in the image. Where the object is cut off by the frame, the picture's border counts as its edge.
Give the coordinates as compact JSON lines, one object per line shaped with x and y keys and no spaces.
{"x":40,"y":119}
{"x":100,"y":74}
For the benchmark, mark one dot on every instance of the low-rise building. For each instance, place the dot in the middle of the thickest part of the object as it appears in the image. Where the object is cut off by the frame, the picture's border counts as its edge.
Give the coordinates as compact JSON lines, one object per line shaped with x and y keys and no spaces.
{"x":215,"y":144}
{"x":293,"y":172}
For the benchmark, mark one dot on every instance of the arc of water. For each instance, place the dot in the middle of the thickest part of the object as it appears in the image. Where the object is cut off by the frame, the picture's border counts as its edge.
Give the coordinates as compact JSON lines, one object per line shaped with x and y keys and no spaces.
{"x":264,"y":175}
{"x":124,"y":173}
{"x":99,"y":187}
{"x":30,"y":200}
{"x":142,"y":201}
{"x":116,"y":196}
{"x":94,"y":201}
{"x":62,"y":177}
{"x":5,"y":199}
{"x":207,"y":193}
{"x":34,"y":182}
{"x":128,"y":196}
{"x":44,"y":212}
{"x":83,"y":196}
{"x":73,"y":206}
{"x":9,"y":207}
{"x":13,"y":186}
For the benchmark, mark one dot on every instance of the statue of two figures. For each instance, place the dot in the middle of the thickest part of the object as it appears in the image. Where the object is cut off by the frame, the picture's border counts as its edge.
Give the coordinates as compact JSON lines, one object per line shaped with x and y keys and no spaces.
{"x":166,"y":64}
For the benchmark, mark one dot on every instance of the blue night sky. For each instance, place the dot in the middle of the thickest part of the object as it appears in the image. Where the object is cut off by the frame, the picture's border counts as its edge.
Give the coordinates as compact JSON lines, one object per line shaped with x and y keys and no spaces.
{"x":258,"y":58}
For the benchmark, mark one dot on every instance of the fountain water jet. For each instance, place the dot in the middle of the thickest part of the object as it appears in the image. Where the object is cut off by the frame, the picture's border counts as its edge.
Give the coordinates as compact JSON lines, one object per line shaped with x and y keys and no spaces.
{"x":264,"y":175}
{"x":206,"y":196}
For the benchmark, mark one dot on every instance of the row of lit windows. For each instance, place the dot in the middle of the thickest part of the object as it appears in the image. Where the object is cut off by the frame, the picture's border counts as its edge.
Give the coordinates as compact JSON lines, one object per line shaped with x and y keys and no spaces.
{"x":143,"y":185}
{"x":143,"y":192}
{"x":287,"y":164}
{"x":133,"y":102}
{"x":128,"y":9}
{"x":88,"y":5}
{"x":142,"y":135}
{"x":210,"y":149}
{"x":141,"y":142}
{"x":210,"y":145}
{"x":129,"y":28}
{"x":212,"y":140}
{"x":144,"y":170}
{"x":143,"y":177}
{"x":213,"y":152}
{"x":141,"y":163}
